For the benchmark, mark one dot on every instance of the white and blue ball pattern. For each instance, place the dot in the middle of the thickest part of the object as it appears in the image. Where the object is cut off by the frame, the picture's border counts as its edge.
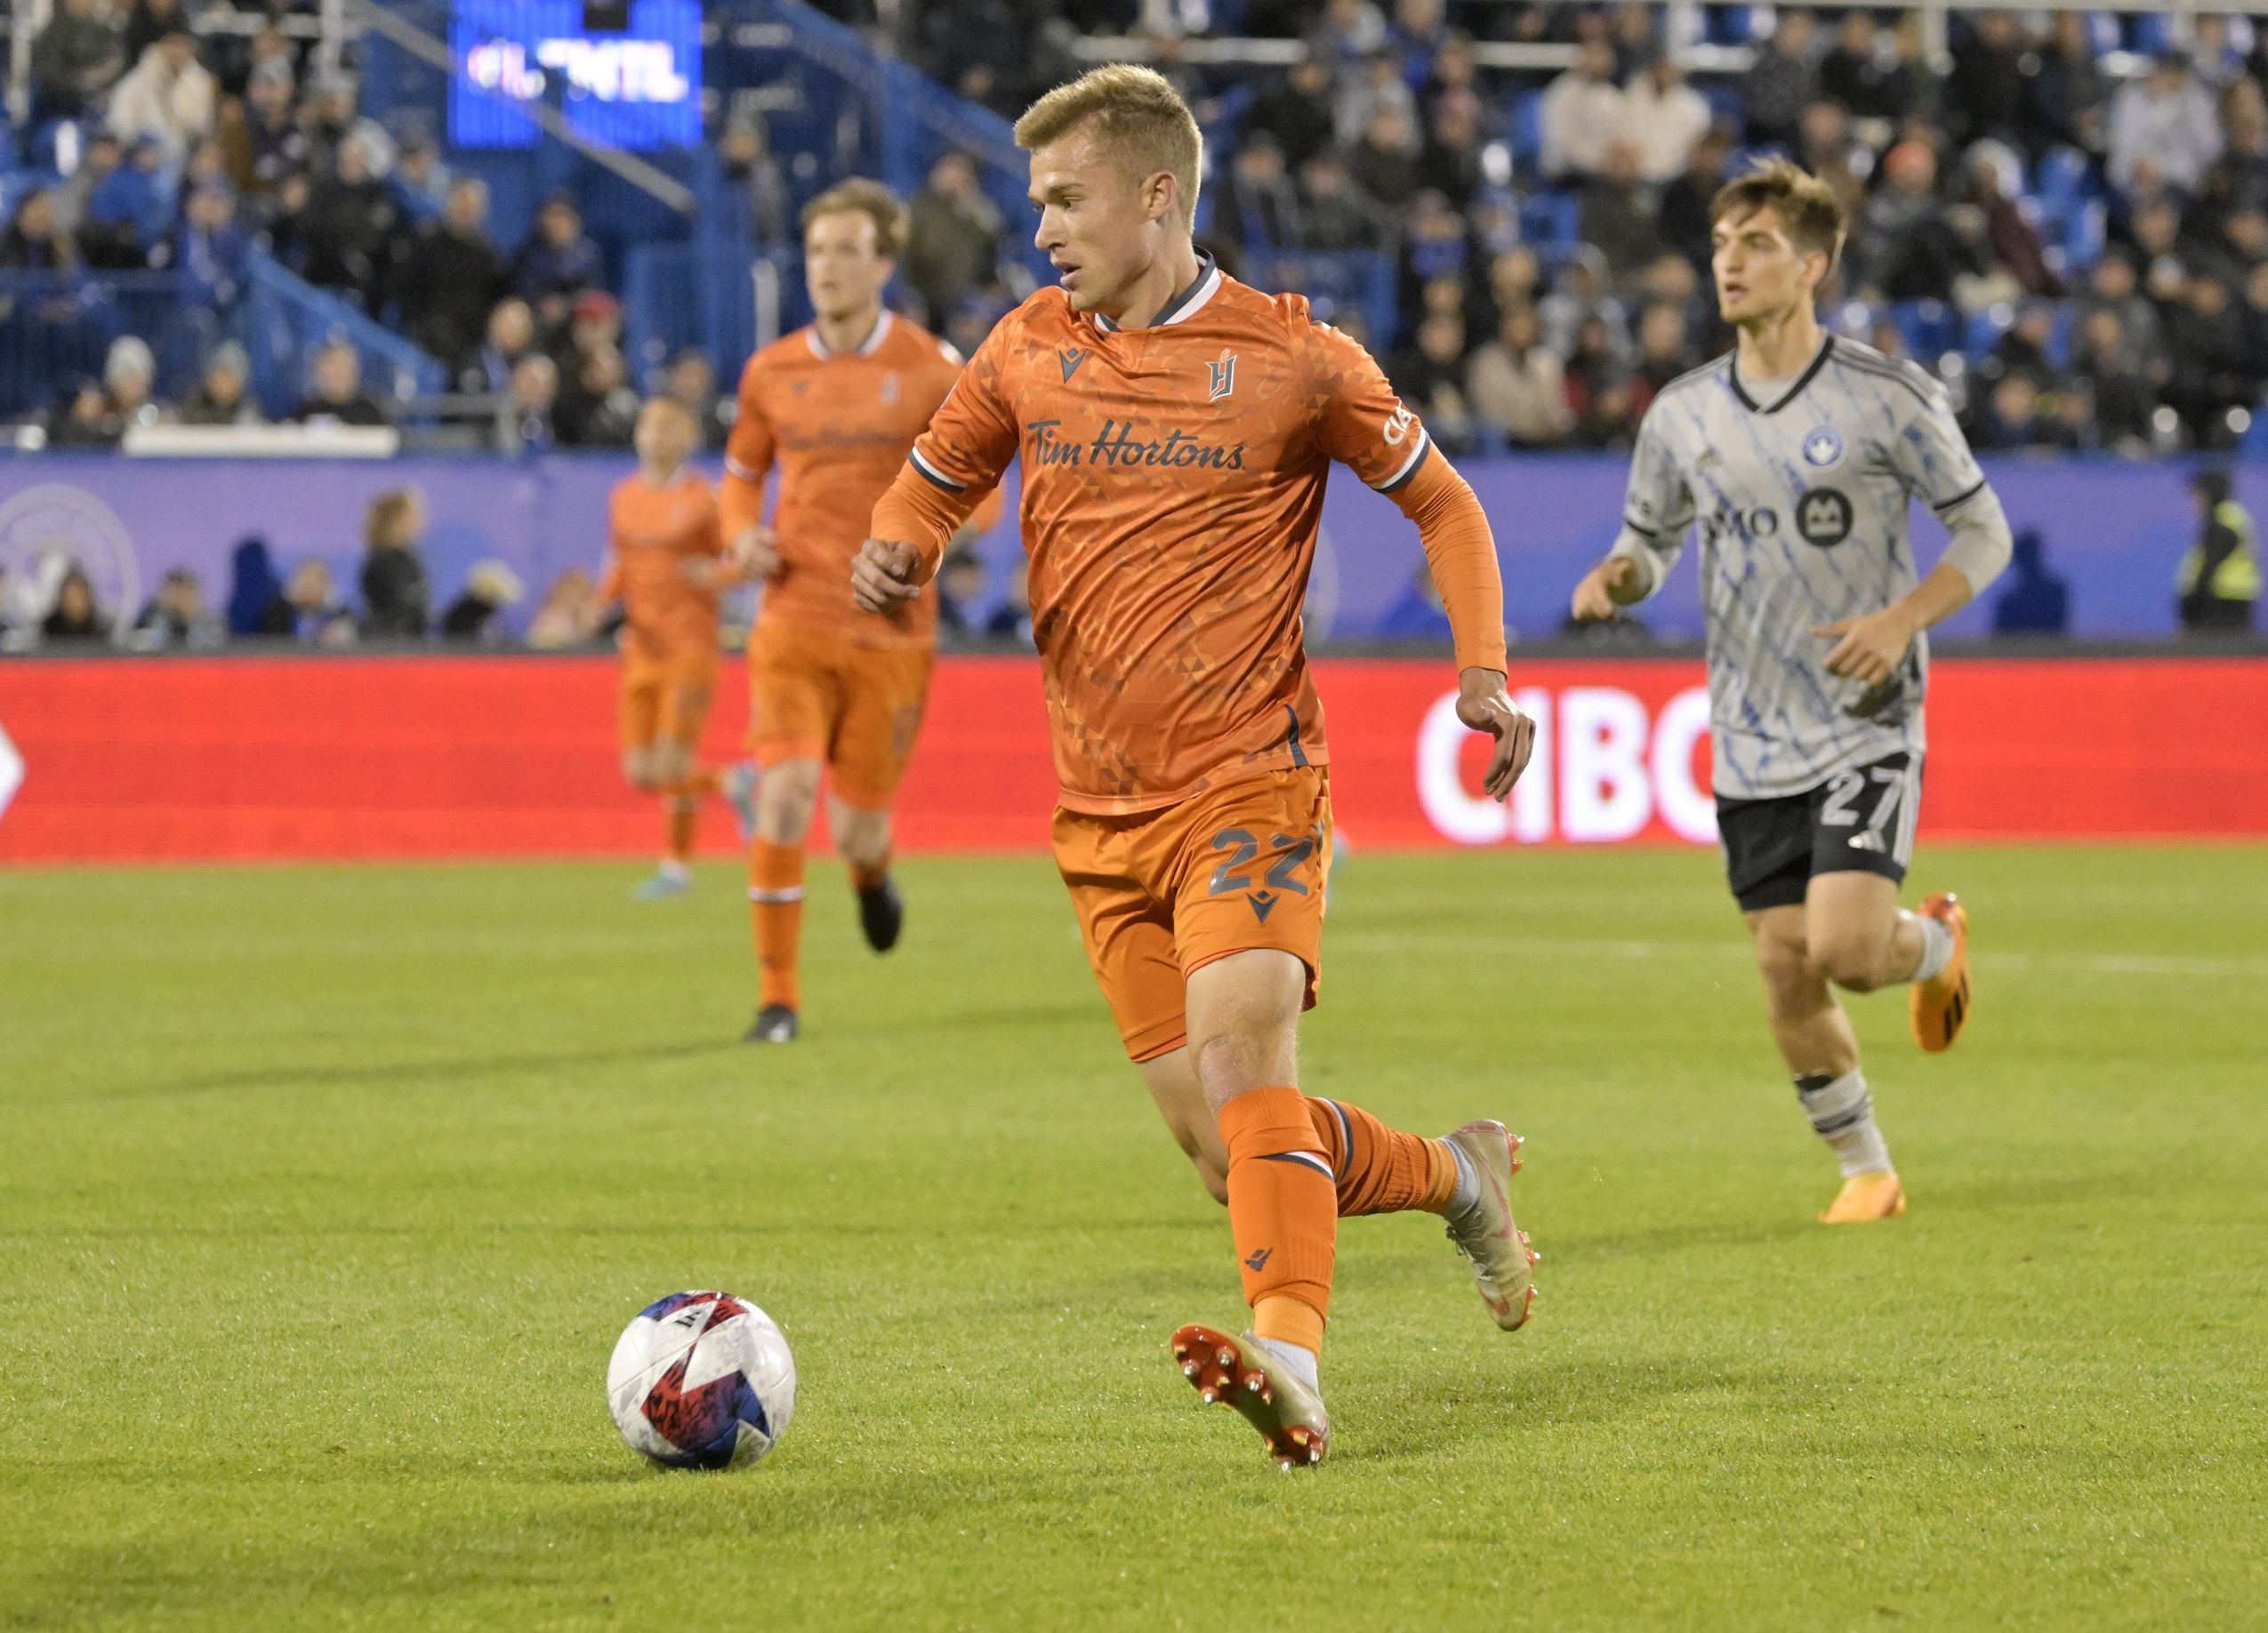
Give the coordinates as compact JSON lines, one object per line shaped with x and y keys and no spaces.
{"x":701,"y":1380}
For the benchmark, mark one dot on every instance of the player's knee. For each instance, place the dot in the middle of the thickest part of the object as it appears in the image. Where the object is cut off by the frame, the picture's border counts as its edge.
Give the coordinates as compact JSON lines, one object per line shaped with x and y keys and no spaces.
{"x":784,"y":801}
{"x":1851,"y":961}
{"x":637,"y":771}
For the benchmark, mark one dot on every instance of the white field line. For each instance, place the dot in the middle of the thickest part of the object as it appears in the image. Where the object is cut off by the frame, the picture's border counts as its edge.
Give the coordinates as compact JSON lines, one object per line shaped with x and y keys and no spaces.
{"x":1526,"y":947}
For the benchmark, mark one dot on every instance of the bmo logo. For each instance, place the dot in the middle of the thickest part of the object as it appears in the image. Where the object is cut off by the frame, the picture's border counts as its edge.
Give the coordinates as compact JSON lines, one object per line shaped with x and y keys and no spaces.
{"x":1604,"y":768}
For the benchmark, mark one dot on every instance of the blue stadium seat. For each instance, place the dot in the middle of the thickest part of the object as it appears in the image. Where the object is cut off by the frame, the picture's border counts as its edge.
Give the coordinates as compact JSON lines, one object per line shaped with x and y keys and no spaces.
{"x":1524,"y":113}
{"x":1985,"y":329}
{"x":1551,"y":220}
{"x":1929,"y":329}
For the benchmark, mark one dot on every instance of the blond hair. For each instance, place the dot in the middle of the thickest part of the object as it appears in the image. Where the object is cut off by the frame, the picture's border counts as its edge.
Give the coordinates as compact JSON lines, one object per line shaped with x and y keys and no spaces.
{"x":870,"y":199}
{"x":1139,"y":119}
{"x":1807,"y":207}
{"x":387,"y":515}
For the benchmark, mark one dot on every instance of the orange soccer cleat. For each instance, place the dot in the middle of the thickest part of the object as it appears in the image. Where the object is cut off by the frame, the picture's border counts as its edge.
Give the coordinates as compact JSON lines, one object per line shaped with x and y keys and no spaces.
{"x":1937,"y":1008}
{"x":1865,"y":1198}
{"x":1239,"y":1372}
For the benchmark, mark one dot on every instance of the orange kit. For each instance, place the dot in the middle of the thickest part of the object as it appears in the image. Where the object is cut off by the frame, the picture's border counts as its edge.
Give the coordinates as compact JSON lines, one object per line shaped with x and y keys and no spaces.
{"x":669,"y":640}
{"x":1173,"y":483}
{"x":829,"y":681}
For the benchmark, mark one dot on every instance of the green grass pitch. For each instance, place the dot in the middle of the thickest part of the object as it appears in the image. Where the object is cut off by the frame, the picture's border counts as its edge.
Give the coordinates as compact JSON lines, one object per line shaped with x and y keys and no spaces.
{"x":325,"y":1191}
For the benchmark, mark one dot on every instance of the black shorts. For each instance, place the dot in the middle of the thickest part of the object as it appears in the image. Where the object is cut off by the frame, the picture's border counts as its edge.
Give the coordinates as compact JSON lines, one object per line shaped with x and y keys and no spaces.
{"x":1858,"y":821}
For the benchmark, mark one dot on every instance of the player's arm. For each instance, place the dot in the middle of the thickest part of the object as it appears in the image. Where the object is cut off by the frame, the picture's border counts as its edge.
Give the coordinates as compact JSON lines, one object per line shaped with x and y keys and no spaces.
{"x":710,"y":564}
{"x":749,"y":452}
{"x":954,"y":466}
{"x":1657,"y":511}
{"x":1366,"y":428}
{"x":1934,"y":458}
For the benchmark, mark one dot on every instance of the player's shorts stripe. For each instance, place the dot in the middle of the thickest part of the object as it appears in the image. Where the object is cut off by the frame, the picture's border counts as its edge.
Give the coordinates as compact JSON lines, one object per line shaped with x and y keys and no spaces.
{"x":1346,"y":1128}
{"x":936,"y":475}
{"x":793,"y":893}
{"x":1309,"y":1158}
{"x":733,"y":467}
{"x":1908,"y":813}
{"x":1409,"y":466}
{"x":1963,"y":497}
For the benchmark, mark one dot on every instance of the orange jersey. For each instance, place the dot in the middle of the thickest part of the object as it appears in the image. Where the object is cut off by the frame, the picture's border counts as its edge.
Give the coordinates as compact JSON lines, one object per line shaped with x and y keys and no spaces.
{"x":839,"y":425}
{"x":653,"y":534}
{"x":1173,"y":483}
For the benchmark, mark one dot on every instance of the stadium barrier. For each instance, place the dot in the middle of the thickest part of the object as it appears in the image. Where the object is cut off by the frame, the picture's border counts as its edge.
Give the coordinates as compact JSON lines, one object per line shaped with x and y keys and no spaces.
{"x":370,"y":758}
{"x":2115,"y":530}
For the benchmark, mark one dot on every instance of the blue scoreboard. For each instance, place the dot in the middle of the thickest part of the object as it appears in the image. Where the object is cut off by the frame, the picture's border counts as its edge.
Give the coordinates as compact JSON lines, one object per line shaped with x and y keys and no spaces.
{"x":635,"y":83}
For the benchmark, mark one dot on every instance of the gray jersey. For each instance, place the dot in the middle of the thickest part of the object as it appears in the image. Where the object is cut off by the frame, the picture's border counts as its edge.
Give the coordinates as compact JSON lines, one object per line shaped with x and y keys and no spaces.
{"x":1801,"y":504}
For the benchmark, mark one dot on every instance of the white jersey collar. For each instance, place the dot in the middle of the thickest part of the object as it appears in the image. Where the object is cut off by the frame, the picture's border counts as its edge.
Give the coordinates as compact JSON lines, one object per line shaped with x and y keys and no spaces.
{"x":867,"y":348}
{"x":1184,"y":305}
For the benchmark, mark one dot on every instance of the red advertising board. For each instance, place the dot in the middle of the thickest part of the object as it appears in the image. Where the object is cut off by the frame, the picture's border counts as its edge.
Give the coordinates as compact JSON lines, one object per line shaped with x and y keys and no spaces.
{"x":374,"y":757}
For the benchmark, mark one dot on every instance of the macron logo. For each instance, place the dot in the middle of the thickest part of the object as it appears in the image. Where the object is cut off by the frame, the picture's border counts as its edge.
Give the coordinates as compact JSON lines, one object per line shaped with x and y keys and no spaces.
{"x":1259,"y":1261}
{"x":1071,"y":357}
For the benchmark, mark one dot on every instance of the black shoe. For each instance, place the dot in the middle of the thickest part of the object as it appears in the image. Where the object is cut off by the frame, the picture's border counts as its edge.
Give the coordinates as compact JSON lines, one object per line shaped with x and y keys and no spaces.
{"x":881,"y":915}
{"x":774,"y":1024}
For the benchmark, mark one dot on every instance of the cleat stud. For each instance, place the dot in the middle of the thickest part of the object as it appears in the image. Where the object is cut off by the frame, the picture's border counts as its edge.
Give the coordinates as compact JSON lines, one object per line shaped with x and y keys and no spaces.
{"x":1188,"y":1369}
{"x":1267,"y":1397}
{"x":1315,"y":1454}
{"x":1227,"y":1356}
{"x":1207,"y":1396}
{"x":1253,"y":1382}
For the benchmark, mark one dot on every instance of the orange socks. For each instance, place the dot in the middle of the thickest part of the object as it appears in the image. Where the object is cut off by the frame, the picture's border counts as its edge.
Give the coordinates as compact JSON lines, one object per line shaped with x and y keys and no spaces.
{"x":1283,"y":1212}
{"x":776,"y":894}
{"x":1380,"y":1170}
{"x":702,"y":783}
{"x":685,"y":818}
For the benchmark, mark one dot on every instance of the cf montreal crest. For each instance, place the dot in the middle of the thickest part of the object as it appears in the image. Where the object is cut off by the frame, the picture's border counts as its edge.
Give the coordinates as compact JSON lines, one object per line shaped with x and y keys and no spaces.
{"x":1823,"y":448}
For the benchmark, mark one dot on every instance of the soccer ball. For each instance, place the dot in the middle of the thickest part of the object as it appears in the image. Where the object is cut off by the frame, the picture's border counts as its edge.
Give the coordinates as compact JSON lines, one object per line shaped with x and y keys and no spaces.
{"x":701,"y":1380}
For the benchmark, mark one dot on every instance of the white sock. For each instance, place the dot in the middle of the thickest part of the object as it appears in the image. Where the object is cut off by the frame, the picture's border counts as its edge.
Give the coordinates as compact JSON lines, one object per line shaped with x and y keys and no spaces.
{"x":1303,"y":1364}
{"x":1842,"y":1114}
{"x":672,"y":868}
{"x":1468,"y":1181}
{"x":1936,"y":947}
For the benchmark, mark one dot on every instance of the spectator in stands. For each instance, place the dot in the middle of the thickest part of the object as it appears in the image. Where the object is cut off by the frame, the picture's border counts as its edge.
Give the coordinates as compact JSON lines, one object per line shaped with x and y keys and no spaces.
{"x":1435,"y":248}
{"x":526,"y":421}
{"x":167,"y":97}
{"x":569,"y":614}
{"x":2124,"y":397}
{"x":2218,"y":581}
{"x":2164,"y":130}
{"x":396,"y":602}
{"x":103,"y":154}
{"x":1987,"y":93}
{"x":2206,"y":343}
{"x":2070,"y":97}
{"x":1297,"y":111}
{"x":558,"y":264}
{"x":1780,"y":83}
{"x":511,"y":336}
{"x":1995,"y":185}
{"x":1384,"y":162}
{"x":1334,"y":213}
{"x":980,"y":48}
{"x":2009,"y":417}
{"x":1011,"y":620}
{"x":1428,"y":375}
{"x":692,"y":382}
{"x":1350,"y":31}
{"x":1515,"y":384}
{"x":34,"y":240}
{"x":1617,"y":216}
{"x":1664,"y":353}
{"x":953,"y":237}
{"x":1863,"y":74}
{"x":1681,"y":213}
{"x":1375,"y":86}
{"x":747,"y":152}
{"x":596,"y":407}
{"x":350,"y":227}
{"x":128,"y":211}
{"x":128,"y":381}
{"x":422,"y":185}
{"x":1598,"y":389}
{"x":491,"y":590}
{"x":2036,"y":602}
{"x":1664,"y":117}
{"x":307,"y":608}
{"x":178,"y":617}
{"x":2112,"y":287}
{"x":222,"y":397}
{"x":2239,"y":179}
{"x":1582,"y":115}
{"x":325,"y":116}
{"x":76,"y":615}
{"x":961,"y":581}
{"x":252,"y":584}
{"x":1579,"y":294}
{"x":81,"y":418}
{"x":451,"y":277}
{"x":2023,"y":349}
{"x":274,"y":145}
{"x":1450,"y":162}
{"x":338,"y":397}
{"x":1825,"y":146}
{"x":75,"y":61}
{"x":149,"y":21}
{"x":209,"y":250}
{"x":1914,"y":250}
{"x":1418,"y":31}
{"x":1263,"y":205}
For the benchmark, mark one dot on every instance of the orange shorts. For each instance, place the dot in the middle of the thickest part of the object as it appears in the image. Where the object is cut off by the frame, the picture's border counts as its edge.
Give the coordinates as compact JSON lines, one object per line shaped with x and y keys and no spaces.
{"x":1161,"y":894}
{"x":816,"y":696}
{"x":664,"y":699}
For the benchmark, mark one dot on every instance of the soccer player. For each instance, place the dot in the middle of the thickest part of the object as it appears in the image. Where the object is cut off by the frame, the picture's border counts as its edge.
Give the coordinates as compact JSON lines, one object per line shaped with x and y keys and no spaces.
{"x":666,"y":565}
{"x":836,"y":405}
{"x":1797,"y":457}
{"x":1176,"y":429}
